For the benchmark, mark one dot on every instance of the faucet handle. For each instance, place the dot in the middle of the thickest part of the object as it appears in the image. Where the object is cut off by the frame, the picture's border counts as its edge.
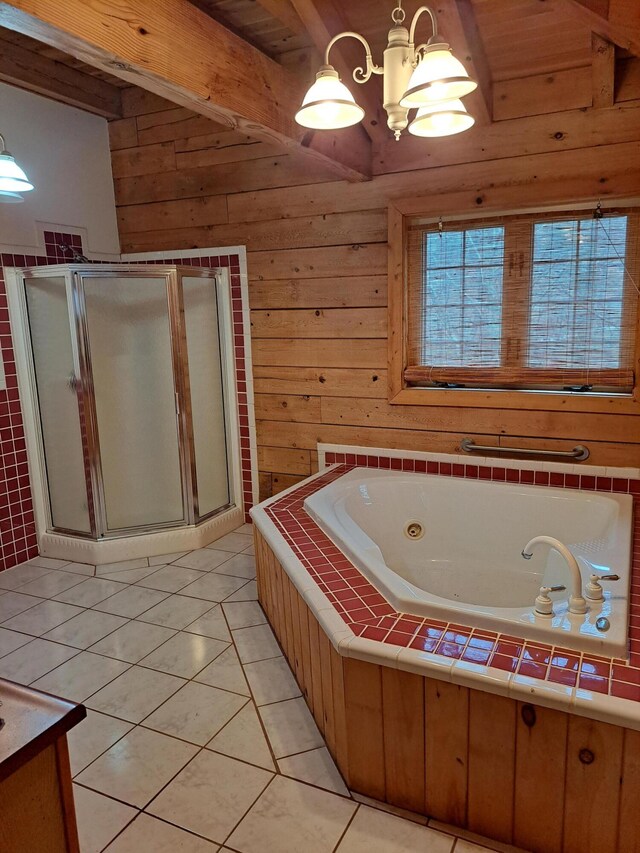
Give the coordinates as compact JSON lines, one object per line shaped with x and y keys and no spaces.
{"x":543,"y":604}
{"x":593,"y":590}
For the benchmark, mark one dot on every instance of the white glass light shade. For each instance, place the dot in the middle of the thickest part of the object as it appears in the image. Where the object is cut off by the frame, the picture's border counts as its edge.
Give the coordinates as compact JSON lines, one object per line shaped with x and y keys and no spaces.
{"x":438,"y":76}
{"x":328,"y":105}
{"x":443,"y":118}
{"x":12,"y":177}
{"x":10,"y":198}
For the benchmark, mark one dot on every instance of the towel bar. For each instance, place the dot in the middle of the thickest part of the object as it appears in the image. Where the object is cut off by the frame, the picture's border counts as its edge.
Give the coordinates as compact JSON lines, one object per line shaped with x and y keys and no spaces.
{"x":579,"y":452}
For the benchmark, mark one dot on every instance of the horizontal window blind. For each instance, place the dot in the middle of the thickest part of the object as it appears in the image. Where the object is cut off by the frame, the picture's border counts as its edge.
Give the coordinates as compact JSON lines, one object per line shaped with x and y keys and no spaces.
{"x":525,"y":301}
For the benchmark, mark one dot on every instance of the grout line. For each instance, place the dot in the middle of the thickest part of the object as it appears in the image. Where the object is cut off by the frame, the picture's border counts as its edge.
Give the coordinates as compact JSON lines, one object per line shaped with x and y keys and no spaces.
{"x":162,"y":820}
{"x":117,"y":740}
{"x":42,"y":675}
{"x":30,"y":607}
{"x":131,"y":805}
{"x":253,"y":698}
{"x":183,"y":678}
{"x":348,"y":826}
{"x":264,"y":791}
{"x":200,"y":750}
{"x":200,"y":746}
{"x":113,"y":799}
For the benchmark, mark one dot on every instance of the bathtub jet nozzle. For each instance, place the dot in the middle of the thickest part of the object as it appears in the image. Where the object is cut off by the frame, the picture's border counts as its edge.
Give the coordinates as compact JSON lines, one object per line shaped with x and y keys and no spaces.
{"x":525,"y":555}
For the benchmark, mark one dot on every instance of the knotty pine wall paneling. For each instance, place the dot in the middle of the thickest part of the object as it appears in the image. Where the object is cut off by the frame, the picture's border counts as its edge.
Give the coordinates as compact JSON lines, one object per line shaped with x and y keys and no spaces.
{"x":317,"y":260}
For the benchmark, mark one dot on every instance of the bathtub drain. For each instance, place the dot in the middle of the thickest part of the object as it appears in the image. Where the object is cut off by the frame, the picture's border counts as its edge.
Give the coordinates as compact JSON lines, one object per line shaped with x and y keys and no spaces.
{"x":414,"y":530}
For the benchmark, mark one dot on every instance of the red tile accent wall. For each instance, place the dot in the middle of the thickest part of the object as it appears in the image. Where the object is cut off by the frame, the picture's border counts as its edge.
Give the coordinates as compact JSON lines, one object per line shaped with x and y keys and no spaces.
{"x":17,"y":523}
{"x":368,"y":614}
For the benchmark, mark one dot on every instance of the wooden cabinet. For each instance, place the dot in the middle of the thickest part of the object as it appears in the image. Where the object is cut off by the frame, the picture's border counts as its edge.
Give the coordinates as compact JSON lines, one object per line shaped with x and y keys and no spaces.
{"x":37,"y":811}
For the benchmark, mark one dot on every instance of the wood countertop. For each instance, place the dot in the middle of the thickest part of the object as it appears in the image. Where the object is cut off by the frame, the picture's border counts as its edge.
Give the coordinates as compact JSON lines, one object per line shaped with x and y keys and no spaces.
{"x":31,"y":721}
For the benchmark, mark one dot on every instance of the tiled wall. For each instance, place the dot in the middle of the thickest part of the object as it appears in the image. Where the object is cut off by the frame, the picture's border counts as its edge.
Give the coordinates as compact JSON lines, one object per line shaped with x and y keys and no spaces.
{"x":17,"y":522}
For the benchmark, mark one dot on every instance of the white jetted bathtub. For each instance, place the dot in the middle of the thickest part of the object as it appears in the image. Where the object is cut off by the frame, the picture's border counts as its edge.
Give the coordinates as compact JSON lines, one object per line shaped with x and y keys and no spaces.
{"x":451,"y":549}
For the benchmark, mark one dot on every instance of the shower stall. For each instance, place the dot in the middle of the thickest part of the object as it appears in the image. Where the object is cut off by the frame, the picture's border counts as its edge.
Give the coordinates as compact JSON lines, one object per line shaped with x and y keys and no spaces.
{"x":129,"y":395}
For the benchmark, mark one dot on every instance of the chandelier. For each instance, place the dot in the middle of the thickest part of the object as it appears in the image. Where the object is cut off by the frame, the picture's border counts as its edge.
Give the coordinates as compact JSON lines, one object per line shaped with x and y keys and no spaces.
{"x":428,"y":78}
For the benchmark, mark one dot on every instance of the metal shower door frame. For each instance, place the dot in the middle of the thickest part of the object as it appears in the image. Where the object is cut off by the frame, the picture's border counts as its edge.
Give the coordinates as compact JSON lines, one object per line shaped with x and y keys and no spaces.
{"x":182,"y":360}
{"x":21,"y":278}
{"x":82,"y":383}
{"x":79,"y":274}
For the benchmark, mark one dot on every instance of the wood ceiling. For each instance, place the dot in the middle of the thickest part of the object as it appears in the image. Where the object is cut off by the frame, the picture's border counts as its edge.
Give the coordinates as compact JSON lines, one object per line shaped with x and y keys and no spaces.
{"x":273,"y":26}
{"x":520,"y":37}
{"x":530,"y":56}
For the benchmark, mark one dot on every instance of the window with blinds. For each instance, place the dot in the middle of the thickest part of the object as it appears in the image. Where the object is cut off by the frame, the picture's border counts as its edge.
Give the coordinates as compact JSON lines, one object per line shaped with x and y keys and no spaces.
{"x":544,"y":302}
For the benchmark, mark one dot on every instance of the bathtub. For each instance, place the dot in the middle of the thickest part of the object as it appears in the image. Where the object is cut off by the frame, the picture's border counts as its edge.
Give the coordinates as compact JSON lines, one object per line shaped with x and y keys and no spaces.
{"x":450,"y":549}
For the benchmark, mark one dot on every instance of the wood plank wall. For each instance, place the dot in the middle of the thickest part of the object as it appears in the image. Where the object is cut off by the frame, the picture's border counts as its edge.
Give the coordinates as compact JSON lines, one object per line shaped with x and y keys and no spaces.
{"x":541,"y":779}
{"x":317,"y":257}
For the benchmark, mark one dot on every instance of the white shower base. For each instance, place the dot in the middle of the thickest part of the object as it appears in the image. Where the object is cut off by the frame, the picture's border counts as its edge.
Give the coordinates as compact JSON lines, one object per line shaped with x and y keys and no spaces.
{"x":145,"y":545}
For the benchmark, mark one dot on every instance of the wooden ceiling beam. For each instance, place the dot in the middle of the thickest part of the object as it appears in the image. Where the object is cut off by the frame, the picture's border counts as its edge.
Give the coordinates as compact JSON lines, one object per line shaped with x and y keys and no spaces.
{"x":603,"y":71}
{"x":475,"y":58}
{"x":618,"y":21}
{"x":175,"y":50}
{"x":458,"y":27}
{"x":33,"y":72}
{"x":323,"y":20}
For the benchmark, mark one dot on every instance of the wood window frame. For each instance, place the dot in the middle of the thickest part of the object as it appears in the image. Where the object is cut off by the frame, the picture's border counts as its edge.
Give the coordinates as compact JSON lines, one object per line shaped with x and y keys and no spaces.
{"x":400,"y":213}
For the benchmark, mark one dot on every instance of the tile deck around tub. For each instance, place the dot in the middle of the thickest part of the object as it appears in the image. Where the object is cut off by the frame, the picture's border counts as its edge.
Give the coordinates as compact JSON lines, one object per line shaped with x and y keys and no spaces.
{"x":370,"y":616}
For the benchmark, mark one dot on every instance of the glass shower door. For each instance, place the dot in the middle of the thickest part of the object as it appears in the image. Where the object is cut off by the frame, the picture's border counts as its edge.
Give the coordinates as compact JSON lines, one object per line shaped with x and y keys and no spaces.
{"x":132,"y":368}
{"x":130,"y":359}
{"x":207,"y":392}
{"x":57,"y":384}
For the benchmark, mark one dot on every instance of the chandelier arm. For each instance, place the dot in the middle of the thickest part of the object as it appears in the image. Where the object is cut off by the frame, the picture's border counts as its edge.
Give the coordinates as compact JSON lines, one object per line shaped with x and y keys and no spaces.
{"x":360,"y":74}
{"x":414,"y":23}
{"x":418,"y":53}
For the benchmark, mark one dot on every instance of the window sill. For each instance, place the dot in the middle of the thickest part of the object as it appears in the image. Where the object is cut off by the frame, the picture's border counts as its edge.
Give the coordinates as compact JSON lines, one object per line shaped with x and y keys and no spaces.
{"x":548,"y":401}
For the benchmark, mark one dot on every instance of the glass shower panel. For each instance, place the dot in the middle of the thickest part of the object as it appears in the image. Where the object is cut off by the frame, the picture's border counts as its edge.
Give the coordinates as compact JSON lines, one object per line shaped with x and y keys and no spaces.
{"x":131,"y":361}
{"x":207,"y":392}
{"x":56,"y":383}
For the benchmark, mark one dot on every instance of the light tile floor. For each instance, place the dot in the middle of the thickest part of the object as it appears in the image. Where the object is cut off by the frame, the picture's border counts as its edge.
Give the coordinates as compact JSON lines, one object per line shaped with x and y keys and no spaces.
{"x":197,"y":738}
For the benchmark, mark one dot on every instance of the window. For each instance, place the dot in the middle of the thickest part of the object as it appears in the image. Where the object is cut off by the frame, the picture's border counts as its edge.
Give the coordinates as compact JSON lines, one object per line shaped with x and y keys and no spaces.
{"x":545,"y":302}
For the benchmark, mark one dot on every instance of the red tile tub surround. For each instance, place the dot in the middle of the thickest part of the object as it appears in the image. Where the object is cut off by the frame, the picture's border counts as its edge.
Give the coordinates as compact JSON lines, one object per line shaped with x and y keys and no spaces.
{"x":367,"y":613}
{"x":497,"y":473}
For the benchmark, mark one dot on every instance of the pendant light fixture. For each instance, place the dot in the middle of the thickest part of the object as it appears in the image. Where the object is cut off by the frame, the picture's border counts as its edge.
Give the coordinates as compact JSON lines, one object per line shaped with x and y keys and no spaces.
{"x":13,"y":180}
{"x":413,"y":77}
{"x":10,"y":198}
{"x":441,"y":118}
{"x":328,"y":101}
